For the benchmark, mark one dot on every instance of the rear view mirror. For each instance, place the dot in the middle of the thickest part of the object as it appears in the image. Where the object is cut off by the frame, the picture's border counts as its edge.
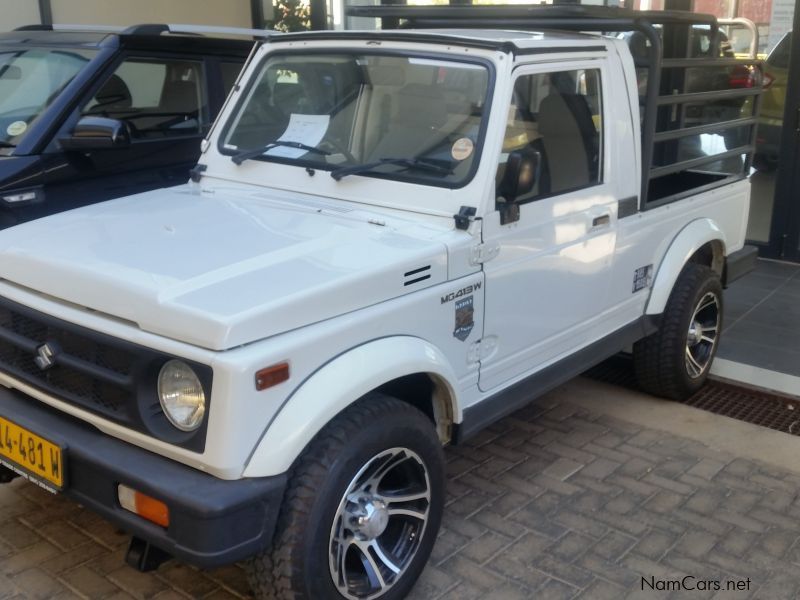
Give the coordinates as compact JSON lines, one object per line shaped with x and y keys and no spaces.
{"x":519,"y":179}
{"x":522,"y":169}
{"x":10,"y":72}
{"x":97,"y":133}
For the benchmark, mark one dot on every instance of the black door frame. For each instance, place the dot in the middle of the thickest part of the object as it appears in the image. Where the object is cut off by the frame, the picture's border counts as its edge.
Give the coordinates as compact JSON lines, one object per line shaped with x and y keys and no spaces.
{"x":784,"y":238}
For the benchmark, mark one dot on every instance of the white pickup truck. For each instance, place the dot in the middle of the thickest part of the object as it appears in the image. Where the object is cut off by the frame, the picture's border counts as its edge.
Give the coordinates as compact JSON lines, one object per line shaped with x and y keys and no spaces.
{"x":394,"y":238}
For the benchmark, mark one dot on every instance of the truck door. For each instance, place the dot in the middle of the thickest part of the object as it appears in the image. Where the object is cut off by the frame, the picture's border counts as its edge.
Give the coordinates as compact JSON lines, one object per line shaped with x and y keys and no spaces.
{"x":547,"y":290}
{"x":163,"y":103}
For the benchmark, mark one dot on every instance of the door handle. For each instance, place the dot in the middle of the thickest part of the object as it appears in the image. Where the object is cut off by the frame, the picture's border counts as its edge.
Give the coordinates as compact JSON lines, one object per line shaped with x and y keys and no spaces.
{"x":601,"y":221}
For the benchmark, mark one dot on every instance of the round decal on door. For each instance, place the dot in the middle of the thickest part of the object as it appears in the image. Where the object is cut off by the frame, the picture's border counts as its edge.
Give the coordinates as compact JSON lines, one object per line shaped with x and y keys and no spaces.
{"x":16,"y":128}
{"x":462,"y":148}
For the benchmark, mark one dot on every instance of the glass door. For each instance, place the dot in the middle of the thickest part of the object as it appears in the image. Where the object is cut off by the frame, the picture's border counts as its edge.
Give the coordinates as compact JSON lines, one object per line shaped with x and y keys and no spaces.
{"x":782,"y":70}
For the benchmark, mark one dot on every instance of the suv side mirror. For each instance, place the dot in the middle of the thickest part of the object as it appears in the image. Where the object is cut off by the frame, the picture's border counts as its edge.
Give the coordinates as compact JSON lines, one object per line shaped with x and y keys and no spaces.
{"x":519,"y":179}
{"x":97,"y":133}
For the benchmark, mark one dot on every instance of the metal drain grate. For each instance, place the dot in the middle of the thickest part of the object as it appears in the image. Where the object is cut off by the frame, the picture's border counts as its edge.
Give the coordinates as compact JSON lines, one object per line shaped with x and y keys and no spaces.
{"x":752,"y":406}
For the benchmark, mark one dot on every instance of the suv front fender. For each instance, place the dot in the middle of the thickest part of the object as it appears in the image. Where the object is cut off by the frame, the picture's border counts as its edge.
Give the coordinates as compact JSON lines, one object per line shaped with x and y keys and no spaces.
{"x":690,"y":239}
{"x":338,"y":384}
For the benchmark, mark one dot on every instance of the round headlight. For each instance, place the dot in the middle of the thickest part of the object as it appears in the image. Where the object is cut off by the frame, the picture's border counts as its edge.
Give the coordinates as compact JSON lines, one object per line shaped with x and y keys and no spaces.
{"x":181,"y":395}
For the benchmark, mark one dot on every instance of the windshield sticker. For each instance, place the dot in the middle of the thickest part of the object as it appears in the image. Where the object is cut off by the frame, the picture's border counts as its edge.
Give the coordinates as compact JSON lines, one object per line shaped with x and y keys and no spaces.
{"x":462,"y":148}
{"x":302,"y":129}
{"x":465,"y":321}
{"x":16,"y":128}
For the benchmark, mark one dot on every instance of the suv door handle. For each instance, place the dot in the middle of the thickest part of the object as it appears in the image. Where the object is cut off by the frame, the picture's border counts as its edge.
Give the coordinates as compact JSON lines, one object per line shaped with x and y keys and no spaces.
{"x":601,"y":221}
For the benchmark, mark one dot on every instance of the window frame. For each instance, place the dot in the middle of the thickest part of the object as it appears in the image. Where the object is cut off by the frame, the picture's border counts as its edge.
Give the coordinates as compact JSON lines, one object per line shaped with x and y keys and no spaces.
{"x":534,"y":69}
{"x":205,"y":110}
{"x":400,"y":176}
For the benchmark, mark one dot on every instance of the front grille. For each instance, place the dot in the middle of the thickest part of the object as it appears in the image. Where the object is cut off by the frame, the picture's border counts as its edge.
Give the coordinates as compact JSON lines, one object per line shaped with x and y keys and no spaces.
{"x":99,"y":373}
{"x":86,"y":372}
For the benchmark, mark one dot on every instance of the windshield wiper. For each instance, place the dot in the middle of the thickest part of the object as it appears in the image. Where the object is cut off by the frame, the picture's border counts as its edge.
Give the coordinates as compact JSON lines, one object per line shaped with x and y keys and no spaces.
{"x":416,"y":162}
{"x":248,"y":154}
{"x":4,"y":144}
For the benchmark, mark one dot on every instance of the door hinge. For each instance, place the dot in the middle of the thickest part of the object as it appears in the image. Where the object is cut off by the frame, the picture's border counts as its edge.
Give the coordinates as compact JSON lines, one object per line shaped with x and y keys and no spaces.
{"x":483,"y":252}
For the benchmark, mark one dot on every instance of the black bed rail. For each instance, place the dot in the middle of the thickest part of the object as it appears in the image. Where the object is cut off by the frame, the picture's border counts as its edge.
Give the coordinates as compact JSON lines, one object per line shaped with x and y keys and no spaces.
{"x":660,"y":69}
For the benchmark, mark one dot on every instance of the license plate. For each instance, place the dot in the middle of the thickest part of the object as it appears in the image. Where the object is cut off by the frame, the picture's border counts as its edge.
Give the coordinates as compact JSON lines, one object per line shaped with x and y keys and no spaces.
{"x":31,"y":454}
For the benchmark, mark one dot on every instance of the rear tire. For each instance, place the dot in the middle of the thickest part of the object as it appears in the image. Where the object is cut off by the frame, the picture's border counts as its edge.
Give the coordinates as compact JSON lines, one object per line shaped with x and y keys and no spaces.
{"x":674,"y":362}
{"x":362,"y":509}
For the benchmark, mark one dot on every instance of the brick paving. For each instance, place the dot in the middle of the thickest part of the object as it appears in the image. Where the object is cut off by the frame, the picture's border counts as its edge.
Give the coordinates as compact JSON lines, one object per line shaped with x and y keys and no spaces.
{"x":552,"y":502}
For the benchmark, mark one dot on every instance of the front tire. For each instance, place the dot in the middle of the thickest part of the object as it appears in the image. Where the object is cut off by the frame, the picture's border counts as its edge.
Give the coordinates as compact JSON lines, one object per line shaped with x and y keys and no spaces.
{"x":362,"y":509}
{"x":674,"y":362}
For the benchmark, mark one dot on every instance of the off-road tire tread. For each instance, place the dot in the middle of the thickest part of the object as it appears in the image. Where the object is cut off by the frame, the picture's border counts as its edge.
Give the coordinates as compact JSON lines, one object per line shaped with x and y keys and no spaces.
{"x":270,"y":574}
{"x":658,"y":358}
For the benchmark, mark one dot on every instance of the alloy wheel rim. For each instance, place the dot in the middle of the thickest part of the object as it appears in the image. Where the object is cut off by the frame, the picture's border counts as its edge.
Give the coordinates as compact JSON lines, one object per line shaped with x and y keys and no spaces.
{"x":701,"y":339}
{"x":379,"y":524}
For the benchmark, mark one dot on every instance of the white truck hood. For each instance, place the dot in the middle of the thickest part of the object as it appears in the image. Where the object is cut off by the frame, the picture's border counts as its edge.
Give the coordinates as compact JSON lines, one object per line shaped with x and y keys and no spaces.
{"x":222,"y":270}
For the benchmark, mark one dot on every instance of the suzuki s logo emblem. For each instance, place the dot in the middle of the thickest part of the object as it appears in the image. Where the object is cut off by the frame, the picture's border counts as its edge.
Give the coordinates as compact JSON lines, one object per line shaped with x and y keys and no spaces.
{"x":46,"y":357}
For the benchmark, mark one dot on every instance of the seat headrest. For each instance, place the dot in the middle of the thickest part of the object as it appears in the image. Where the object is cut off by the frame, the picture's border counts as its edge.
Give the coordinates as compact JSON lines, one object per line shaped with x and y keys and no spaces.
{"x":180,"y":96}
{"x":563,"y":114}
{"x":114,"y":95}
{"x":421,"y":106}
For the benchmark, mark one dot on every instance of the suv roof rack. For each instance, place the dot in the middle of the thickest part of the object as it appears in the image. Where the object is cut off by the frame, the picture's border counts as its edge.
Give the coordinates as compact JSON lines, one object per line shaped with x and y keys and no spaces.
{"x":666,"y":81}
{"x":152,"y":29}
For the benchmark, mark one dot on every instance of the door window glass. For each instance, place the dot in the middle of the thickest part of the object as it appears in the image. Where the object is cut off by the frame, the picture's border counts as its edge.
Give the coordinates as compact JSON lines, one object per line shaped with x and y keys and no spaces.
{"x":557,"y":118}
{"x":155,"y":98}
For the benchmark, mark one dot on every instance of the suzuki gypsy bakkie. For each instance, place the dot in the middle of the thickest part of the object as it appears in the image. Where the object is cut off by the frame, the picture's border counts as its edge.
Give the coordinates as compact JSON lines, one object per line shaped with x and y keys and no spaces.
{"x":393,"y":239}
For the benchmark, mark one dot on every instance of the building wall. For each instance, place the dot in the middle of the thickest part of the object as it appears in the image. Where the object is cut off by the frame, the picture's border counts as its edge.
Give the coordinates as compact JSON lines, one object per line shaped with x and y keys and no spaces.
{"x":15,"y":13}
{"x":233,"y":13}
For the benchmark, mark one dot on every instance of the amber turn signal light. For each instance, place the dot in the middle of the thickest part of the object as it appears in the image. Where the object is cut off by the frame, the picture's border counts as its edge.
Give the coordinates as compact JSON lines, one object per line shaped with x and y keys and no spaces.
{"x":270,"y":376}
{"x":143,"y":505}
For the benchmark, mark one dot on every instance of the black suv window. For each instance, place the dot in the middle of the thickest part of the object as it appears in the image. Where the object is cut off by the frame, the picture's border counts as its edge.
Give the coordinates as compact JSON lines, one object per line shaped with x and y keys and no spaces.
{"x":156,"y":98}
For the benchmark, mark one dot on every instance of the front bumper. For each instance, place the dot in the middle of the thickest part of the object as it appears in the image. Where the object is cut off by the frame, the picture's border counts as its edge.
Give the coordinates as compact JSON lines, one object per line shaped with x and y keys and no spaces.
{"x":212,"y":521}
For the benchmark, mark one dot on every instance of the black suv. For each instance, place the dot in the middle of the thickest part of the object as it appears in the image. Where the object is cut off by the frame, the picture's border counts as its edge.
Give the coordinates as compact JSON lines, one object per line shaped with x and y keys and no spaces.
{"x":90,"y":115}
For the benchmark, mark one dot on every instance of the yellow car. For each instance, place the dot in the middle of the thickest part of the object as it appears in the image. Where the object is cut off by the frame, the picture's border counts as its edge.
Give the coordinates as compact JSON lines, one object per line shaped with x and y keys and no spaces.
{"x":770,"y":121}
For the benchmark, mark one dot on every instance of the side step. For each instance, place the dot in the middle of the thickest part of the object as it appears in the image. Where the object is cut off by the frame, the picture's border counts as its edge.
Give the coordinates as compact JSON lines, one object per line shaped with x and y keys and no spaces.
{"x":143,"y":556}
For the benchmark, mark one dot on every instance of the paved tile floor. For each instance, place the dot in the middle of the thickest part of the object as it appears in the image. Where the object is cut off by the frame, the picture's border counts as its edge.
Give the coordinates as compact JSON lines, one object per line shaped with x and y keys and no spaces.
{"x":556,"y":501}
{"x":762,"y":312}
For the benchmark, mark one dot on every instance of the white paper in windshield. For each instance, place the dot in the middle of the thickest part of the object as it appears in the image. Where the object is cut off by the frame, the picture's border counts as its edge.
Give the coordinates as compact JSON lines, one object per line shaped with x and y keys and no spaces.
{"x":303,"y":129}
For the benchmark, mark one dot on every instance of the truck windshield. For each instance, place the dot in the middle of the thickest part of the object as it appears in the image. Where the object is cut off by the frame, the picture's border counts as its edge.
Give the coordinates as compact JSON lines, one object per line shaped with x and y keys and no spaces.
{"x":30,"y":80}
{"x":400,"y":117}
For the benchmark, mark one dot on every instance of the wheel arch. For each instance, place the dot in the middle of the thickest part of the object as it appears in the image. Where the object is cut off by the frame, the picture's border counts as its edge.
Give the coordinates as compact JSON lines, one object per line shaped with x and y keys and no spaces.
{"x":408,"y":368}
{"x":701,"y":241}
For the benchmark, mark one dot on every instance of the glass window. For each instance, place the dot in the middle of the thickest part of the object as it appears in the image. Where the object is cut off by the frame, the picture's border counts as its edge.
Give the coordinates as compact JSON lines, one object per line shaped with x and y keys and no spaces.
{"x":230,"y":71}
{"x":400,"y":117}
{"x":155,"y":98}
{"x":779,"y":57}
{"x":30,"y":80}
{"x":558,"y":117}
